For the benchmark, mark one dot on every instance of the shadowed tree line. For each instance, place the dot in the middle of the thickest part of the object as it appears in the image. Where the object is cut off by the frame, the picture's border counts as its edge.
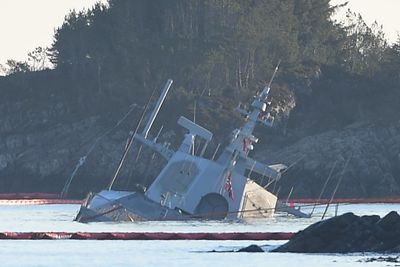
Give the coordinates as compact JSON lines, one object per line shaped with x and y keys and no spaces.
{"x":117,"y":53}
{"x":211,"y":46}
{"x":214,"y":46}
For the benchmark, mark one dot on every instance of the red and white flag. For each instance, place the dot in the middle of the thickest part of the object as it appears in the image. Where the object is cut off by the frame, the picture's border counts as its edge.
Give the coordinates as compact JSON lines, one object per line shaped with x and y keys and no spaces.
{"x":228,"y":186}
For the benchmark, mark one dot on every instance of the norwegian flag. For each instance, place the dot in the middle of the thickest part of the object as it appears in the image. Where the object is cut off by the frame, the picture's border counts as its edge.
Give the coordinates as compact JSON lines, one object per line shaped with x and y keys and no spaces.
{"x":228,"y":186}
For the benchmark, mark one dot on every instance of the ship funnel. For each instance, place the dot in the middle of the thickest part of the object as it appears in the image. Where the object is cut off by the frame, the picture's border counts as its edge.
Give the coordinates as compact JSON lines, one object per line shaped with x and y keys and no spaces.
{"x":157,"y":108}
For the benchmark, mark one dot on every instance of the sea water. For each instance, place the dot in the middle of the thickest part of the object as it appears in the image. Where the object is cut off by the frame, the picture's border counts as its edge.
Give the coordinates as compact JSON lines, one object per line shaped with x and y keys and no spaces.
{"x":193,"y":253}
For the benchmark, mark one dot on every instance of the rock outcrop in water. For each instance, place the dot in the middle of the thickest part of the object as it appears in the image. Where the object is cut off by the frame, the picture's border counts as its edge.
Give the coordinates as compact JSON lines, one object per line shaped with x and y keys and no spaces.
{"x":348,"y":233}
{"x":251,"y":248}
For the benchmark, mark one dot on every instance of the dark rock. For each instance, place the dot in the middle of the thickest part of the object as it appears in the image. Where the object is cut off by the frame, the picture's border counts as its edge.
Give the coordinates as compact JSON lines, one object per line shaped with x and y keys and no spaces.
{"x":390,"y":221}
{"x":348,"y":233}
{"x":251,"y":248}
{"x":214,"y":251}
{"x":382,"y":259}
{"x":370,"y":219}
{"x":319,"y":152}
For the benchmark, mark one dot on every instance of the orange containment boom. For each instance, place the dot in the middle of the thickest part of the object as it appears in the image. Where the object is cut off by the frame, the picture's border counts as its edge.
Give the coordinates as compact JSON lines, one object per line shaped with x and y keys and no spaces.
{"x":147,"y":236}
{"x":23,"y":202}
{"x":15,"y":199}
{"x":28,"y":195}
{"x":387,"y":200}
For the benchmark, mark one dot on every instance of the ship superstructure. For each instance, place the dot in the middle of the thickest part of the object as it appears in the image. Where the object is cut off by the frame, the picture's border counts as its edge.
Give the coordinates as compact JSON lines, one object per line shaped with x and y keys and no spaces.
{"x":192,"y":186}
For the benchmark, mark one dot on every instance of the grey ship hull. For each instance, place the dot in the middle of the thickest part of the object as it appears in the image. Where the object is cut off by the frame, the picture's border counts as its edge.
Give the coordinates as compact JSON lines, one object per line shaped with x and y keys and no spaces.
{"x":130,"y":208}
{"x":191,"y":186}
{"x":122,"y":206}
{"x":134,"y":206}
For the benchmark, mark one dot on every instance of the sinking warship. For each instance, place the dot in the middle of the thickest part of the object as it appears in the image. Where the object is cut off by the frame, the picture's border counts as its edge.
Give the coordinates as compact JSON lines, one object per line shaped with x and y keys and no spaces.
{"x":192,"y":186}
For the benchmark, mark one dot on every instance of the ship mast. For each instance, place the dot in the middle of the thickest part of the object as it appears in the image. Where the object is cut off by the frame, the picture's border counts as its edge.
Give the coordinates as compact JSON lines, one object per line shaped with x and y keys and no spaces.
{"x":243,"y":138}
{"x":235,"y":156}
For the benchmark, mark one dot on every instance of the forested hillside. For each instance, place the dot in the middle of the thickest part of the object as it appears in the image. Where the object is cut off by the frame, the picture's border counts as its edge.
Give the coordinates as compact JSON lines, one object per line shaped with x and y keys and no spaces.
{"x":336,"y":95}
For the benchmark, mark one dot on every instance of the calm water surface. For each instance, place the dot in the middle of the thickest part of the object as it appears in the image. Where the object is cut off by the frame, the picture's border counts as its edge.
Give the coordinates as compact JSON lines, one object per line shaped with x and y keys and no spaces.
{"x":155,"y":253}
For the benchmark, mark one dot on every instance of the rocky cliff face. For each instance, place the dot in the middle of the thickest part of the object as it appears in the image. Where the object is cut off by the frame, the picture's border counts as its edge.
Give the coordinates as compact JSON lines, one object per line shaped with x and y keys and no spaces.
{"x":42,"y":139}
{"x":43,"y":136}
{"x":373,"y":151}
{"x":39,"y":151}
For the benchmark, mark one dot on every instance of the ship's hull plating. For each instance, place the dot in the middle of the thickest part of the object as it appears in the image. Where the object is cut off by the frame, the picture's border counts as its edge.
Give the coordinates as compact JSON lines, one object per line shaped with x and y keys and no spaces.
{"x":135,"y":206}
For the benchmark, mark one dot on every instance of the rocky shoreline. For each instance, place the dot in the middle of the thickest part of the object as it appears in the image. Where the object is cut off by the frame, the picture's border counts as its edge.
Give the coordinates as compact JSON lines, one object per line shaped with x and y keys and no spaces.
{"x":44,"y":132}
{"x":347,"y":233}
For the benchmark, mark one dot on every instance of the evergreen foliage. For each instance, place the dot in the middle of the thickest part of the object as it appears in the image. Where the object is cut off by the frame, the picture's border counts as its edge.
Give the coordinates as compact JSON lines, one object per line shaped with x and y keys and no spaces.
{"x":211,"y":45}
{"x":114,"y":52}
